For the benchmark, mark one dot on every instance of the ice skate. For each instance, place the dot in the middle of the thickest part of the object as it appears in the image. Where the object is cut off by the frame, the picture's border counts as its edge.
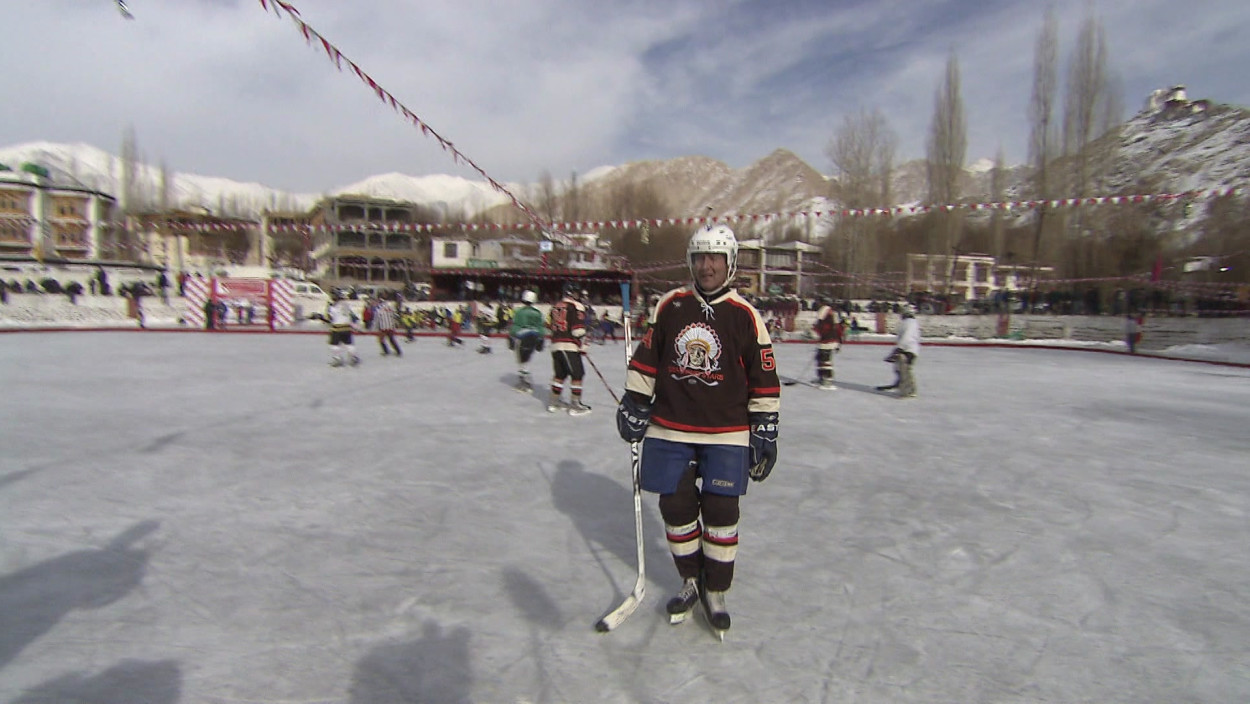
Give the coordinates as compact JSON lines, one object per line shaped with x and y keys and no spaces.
{"x":577,"y":408}
{"x":554,"y":404}
{"x":717,"y":613}
{"x":355,"y":360}
{"x":680,"y":606}
{"x":336,"y":362}
{"x":826,"y":384}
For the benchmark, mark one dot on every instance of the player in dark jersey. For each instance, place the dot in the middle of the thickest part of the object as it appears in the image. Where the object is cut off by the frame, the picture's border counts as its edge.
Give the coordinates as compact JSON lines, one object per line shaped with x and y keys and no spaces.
{"x":829,"y":330}
{"x":702,"y":395}
{"x":567,"y":322}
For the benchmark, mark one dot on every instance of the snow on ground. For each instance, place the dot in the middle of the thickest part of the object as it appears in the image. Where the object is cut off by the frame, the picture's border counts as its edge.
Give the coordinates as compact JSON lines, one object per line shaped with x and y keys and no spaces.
{"x":224,"y":518}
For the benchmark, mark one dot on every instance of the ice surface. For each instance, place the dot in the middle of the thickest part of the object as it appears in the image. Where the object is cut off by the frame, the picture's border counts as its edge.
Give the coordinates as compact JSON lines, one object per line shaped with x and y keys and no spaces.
{"x":187,"y":517}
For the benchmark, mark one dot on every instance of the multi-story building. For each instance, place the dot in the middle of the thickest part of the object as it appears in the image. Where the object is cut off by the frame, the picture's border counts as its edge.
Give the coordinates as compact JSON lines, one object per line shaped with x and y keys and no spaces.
{"x":360,"y":240}
{"x":41,"y":219}
{"x":968,"y":277}
{"x":786,"y":268}
{"x":286,"y":240}
{"x":500,"y":267}
{"x":197,"y":240}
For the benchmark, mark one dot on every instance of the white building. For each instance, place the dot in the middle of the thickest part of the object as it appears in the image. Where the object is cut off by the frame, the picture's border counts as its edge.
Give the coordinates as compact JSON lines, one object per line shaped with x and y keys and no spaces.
{"x":968,"y":277}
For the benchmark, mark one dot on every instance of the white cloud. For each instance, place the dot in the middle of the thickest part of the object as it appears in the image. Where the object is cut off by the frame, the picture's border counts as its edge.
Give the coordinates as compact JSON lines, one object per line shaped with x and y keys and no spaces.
{"x":558,"y":85}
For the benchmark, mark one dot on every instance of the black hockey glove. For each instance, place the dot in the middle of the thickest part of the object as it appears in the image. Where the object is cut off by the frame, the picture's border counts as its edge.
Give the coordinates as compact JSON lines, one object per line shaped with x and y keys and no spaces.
{"x":763,"y":444}
{"x":632,"y":418}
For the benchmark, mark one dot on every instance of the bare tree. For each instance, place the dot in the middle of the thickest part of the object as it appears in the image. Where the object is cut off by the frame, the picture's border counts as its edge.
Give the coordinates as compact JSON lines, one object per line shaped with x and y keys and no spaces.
{"x":1088,"y":108}
{"x":573,"y":200}
{"x":862,"y":154}
{"x":128,"y":186}
{"x":546,"y":198}
{"x":1042,"y":132}
{"x":947,"y":149}
{"x":998,"y":194}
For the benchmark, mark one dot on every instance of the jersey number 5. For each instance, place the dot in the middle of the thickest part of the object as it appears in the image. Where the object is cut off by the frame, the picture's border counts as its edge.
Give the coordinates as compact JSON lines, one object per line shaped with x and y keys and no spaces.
{"x":767,"y":363}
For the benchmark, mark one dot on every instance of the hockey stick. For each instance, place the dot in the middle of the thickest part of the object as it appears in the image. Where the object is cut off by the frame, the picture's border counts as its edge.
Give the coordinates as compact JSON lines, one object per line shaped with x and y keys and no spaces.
{"x":617,"y":616}
{"x":605,"y":381}
{"x":786,"y":381}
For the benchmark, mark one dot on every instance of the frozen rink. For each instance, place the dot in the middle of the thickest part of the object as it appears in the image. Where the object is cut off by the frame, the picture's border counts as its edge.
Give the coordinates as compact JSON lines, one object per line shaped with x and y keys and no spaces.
{"x":192,"y":518}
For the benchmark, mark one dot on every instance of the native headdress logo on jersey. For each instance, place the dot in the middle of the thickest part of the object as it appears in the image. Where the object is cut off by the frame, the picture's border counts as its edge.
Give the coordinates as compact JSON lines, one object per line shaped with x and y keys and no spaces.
{"x":698,"y":354}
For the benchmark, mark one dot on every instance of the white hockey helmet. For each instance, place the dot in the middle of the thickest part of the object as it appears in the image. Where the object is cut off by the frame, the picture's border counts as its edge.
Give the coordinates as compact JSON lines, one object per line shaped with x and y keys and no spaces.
{"x":714,"y":238}
{"x":529,"y":297}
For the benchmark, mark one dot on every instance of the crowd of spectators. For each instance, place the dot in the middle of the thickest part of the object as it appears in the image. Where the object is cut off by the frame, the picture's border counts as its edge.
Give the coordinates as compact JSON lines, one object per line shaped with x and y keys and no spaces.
{"x":1157,"y":301}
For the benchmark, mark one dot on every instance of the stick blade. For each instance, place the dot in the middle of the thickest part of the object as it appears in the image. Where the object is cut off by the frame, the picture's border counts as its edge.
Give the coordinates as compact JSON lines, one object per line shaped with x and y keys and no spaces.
{"x":618,"y":615}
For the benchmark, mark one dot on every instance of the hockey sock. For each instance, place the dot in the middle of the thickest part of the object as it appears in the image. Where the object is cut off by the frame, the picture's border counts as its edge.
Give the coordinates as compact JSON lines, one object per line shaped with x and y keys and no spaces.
{"x":684,"y":544}
{"x":720,"y":547}
{"x":720,"y":539}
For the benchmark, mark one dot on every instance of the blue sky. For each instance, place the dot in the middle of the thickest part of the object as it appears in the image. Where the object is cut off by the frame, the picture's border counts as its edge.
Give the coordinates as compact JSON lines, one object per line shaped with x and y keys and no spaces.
{"x":222,"y":88}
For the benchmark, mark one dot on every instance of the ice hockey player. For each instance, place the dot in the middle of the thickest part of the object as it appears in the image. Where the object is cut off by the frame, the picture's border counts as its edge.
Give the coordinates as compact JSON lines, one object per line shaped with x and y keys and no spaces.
{"x":906,"y":350}
{"x":703,"y":397}
{"x":384,"y":321}
{"x":526,"y":337}
{"x":567,"y":322}
{"x":340,"y":316}
{"x":828,"y":331}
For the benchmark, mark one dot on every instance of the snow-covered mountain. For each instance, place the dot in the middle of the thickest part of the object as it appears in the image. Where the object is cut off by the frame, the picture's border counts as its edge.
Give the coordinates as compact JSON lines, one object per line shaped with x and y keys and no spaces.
{"x":1174,"y":149}
{"x":88,"y":166}
{"x":449,"y":195}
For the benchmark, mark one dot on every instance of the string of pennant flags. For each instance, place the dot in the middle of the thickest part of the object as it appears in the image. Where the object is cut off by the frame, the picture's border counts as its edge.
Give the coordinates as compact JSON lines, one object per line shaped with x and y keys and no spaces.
{"x":177,"y":223}
{"x":555,"y":230}
{"x":625,"y":224}
{"x":313,"y":37}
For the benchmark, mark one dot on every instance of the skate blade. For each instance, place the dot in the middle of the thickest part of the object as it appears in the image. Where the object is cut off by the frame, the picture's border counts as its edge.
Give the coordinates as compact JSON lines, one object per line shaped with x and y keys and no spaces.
{"x":576,"y":412}
{"x":679,"y":618}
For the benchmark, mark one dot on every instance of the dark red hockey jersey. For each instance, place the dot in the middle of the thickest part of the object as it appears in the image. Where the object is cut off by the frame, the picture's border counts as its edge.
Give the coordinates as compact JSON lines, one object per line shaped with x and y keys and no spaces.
{"x":707,"y":364}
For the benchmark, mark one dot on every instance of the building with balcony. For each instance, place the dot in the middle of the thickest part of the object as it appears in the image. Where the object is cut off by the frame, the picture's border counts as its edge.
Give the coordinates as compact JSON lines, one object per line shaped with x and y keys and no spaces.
{"x":968,"y":277}
{"x":197,"y":240}
{"x":500,"y":268}
{"x":40,"y":219}
{"x":358,"y":240}
{"x":783,"y":269}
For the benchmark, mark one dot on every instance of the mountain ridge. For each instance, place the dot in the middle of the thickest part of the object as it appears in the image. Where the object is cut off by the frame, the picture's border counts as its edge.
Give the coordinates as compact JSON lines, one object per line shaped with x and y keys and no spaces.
{"x":1169,"y":150}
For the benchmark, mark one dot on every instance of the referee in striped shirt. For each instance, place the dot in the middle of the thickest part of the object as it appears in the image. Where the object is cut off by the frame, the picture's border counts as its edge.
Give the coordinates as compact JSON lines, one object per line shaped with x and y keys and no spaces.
{"x":384,"y":322}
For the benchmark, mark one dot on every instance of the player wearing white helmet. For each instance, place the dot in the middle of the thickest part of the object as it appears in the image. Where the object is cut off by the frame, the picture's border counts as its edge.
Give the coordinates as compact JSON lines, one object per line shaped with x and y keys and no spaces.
{"x":526,"y":337}
{"x":702,"y":396}
{"x":340,"y":316}
{"x":906,"y":351}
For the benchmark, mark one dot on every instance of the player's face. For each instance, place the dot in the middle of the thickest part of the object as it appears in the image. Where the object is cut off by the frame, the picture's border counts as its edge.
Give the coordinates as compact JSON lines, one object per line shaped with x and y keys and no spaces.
{"x":710,"y":270}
